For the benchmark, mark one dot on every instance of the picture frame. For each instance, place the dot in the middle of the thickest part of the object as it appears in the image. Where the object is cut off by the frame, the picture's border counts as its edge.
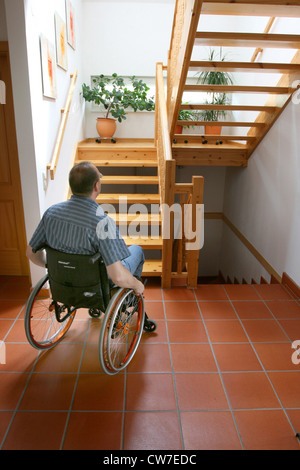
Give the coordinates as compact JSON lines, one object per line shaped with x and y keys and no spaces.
{"x":61,"y":42}
{"x":48,"y":67}
{"x":70,"y":14}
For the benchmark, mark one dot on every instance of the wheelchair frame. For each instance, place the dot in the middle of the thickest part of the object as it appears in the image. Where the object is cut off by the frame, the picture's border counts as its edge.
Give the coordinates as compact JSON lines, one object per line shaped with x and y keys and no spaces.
{"x":48,"y":319}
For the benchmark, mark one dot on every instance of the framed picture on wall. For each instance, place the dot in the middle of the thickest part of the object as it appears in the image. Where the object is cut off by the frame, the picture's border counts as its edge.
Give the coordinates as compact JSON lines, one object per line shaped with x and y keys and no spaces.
{"x":48,"y":67}
{"x":61,"y":42}
{"x":70,"y":13}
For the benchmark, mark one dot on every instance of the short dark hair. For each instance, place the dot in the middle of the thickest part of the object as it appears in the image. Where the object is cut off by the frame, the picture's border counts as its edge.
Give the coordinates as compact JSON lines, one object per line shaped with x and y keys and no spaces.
{"x":82,"y":178}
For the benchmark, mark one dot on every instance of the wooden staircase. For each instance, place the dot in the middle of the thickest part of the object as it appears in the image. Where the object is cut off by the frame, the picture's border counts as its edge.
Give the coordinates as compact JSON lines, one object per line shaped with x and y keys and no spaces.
{"x":235,"y":147}
{"x":130,"y":157}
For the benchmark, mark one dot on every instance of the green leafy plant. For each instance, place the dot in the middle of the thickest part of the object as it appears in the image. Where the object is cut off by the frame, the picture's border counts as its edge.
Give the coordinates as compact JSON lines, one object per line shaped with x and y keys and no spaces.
{"x":215,"y":78}
{"x":115,"y":96}
{"x":187,"y":115}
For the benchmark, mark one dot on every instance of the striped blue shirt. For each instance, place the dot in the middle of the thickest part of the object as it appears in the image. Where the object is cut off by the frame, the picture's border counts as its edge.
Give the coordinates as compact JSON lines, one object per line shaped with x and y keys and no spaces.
{"x":80,"y":226}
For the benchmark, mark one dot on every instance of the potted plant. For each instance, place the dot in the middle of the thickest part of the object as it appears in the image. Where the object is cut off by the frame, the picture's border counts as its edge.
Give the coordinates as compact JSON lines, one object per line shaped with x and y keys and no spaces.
{"x":184,"y":115}
{"x":113,"y":93}
{"x":214,"y":78}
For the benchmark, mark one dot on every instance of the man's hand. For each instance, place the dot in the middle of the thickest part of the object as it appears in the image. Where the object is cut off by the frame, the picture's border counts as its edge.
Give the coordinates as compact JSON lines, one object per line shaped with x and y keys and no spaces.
{"x":123,"y":278}
{"x":38,"y":258}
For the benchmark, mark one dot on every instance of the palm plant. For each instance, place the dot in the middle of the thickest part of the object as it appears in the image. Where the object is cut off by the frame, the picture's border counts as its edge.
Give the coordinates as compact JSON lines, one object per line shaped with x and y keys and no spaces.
{"x":215,"y":78}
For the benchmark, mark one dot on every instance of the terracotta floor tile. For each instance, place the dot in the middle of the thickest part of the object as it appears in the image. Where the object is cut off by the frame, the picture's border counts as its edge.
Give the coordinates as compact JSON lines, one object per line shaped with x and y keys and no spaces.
{"x":36,"y":431}
{"x":11,"y":389}
{"x":292,"y":328}
{"x":211,"y":292}
{"x":10,"y":308}
{"x":276,"y":356}
{"x":209,"y":430}
{"x":251,"y":310}
{"x":5,"y":419}
{"x":264,"y":330}
{"x":19,"y":358}
{"x":294,"y":416}
{"x":17,"y":333}
{"x":287,"y":386}
{"x":61,"y":358}
{"x":265,"y":430}
{"x":94,"y":331}
{"x":152,"y":431}
{"x":225,"y":331}
{"x":157,"y":336}
{"x":242,"y":389}
{"x":90,"y":360}
{"x":48,"y":392}
{"x":186,"y":331}
{"x":182,"y":311}
{"x":193,"y":358}
{"x":5,"y":326}
{"x":221,"y":310}
{"x":103,"y":431}
{"x":155,"y":310}
{"x":284,"y":309}
{"x":99,"y":392}
{"x":272,"y":292}
{"x":77,"y":332}
{"x":152,"y":293}
{"x":241,"y":292}
{"x":200,"y":392}
{"x":179,"y":293}
{"x":236,"y":357}
{"x":151,"y":358}
{"x":146,"y":392}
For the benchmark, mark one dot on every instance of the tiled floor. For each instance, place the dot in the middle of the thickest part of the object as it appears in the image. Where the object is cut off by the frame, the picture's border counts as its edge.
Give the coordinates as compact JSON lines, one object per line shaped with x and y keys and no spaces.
{"x":217,"y":374}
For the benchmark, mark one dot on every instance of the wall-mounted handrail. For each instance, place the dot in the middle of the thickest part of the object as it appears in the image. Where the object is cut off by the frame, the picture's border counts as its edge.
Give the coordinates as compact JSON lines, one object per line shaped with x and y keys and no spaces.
{"x":64,"y":117}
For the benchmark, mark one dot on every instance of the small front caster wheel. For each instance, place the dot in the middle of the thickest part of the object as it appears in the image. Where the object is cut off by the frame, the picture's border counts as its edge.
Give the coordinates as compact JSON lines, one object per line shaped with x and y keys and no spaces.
{"x":94,"y":312}
{"x":150,"y":326}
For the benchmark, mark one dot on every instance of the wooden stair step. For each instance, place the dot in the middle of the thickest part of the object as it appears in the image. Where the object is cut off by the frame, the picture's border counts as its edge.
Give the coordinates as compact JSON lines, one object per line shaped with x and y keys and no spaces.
{"x":142,"y":219}
{"x":209,"y":137}
{"x":252,"y":8}
{"x":152,"y":268}
{"x":239,"y":89}
{"x":261,"y":40}
{"x":221,"y":123}
{"x":130,"y":198}
{"x":250,"y":67}
{"x":129,"y":179}
{"x":231,"y":107}
{"x":149,"y":163}
{"x":148,"y":243}
{"x":121,"y":144}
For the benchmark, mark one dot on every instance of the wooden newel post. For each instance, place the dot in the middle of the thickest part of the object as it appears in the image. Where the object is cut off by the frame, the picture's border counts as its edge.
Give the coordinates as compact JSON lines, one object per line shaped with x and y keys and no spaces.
{"x":192,"y":255}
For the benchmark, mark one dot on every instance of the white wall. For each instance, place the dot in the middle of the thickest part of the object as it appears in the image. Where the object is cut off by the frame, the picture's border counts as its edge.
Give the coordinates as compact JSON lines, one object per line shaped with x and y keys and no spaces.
{"x":38,"y":118}
{"x":263,"y":200}
{"x":129,"y":38}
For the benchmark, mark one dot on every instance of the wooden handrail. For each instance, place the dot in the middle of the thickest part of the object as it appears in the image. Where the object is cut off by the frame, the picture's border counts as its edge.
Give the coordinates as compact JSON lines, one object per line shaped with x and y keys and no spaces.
{"x":65,"y":113}
{"x":187,"y":13}
{"x":161,"y":115}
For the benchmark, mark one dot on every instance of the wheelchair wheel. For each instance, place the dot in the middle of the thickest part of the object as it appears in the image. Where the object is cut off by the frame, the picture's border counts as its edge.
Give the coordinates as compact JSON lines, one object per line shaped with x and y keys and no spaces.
{"x":43,"y":330}
{"x":121,"y":330}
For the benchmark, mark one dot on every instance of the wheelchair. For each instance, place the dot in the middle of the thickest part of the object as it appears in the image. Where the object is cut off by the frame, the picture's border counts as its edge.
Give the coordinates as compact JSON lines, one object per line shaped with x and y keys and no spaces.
{"x":81,"y":281}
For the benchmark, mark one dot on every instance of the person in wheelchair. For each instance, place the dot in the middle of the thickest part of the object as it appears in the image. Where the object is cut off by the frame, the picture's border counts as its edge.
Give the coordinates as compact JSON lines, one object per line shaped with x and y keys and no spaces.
{"x":85,"y":258}
{"x":79,"y":226}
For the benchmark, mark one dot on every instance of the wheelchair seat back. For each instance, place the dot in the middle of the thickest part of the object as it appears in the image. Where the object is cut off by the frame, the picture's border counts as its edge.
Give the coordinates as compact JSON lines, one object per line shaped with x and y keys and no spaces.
{"x":78,"y":280}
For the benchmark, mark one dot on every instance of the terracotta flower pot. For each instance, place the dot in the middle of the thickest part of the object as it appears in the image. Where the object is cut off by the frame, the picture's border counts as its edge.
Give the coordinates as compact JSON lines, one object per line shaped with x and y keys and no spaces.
{"x":178,"y":129}
{"x":213,"y":130}
{"x":106,"y":127}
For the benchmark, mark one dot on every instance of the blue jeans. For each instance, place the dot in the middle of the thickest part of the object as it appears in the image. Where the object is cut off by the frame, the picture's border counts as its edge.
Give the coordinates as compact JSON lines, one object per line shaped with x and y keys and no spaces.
{"x":135,"y":262}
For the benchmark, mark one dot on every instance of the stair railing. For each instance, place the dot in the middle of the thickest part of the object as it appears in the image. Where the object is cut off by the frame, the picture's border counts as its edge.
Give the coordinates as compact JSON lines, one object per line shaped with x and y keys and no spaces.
{"x":64,"y":117}
{"x":166,"y":171}
{"x":184,"y":29}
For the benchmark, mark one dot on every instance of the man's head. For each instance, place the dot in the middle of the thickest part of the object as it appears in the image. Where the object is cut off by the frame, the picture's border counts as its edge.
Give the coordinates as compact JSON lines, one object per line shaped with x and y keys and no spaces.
{"x":84,"y":180}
